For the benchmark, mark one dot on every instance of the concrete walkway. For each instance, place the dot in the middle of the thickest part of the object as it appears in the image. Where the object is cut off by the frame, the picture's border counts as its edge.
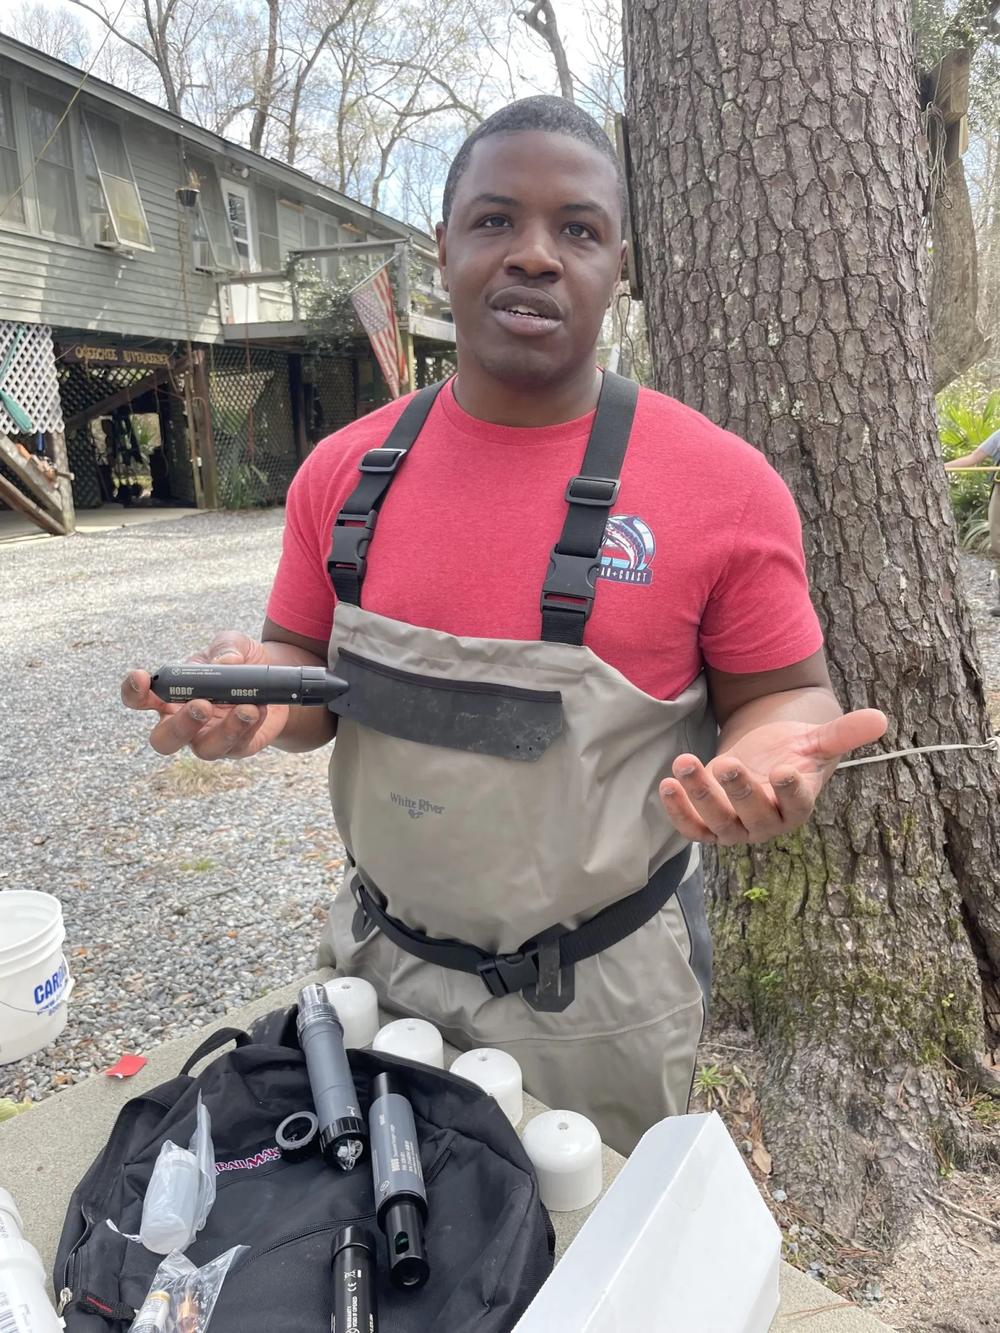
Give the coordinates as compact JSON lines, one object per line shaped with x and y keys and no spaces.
{"x":45,"y":1151}
{"x":17,"y":527}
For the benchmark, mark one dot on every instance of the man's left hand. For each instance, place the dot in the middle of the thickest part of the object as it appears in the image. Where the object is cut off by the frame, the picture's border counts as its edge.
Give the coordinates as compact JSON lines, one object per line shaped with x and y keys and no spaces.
{"x":766,"y":783}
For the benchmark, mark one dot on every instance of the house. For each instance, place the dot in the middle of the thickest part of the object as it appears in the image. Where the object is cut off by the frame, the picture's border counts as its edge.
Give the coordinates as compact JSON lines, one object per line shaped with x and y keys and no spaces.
{"x":166,"y":292}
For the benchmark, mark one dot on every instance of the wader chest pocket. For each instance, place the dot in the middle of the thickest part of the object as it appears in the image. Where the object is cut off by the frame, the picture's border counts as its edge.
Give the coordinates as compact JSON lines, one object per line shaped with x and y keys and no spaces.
{"x":476,"y":716}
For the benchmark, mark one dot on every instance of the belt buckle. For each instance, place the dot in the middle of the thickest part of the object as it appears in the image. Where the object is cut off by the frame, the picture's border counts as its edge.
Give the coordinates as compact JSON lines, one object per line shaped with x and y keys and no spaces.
{"x":505,"y":973}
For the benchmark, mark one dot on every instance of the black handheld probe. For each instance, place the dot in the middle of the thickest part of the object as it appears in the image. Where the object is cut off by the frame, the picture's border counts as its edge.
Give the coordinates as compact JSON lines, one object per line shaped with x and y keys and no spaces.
{"x":304,"y":686}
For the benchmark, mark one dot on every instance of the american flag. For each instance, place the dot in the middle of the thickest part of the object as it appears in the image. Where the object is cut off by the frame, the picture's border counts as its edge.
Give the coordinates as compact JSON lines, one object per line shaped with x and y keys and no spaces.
{"x":376,"y":309}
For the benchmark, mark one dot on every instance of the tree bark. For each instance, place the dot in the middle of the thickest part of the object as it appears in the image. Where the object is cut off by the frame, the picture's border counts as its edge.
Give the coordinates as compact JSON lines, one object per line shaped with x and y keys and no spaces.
{"x":778,"y":194}
{"x":265,"y":91}
{"x":957,"y":341}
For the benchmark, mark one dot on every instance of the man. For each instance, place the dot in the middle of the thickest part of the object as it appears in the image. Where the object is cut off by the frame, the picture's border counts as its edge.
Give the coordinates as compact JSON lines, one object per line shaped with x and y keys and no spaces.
{"x":984,"y":454}
{"x":533,"y":606}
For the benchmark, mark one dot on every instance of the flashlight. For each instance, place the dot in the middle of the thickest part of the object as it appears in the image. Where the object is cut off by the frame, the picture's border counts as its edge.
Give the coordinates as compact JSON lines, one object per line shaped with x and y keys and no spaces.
{"x":343,"y":1135}
{"x":304,"y":686}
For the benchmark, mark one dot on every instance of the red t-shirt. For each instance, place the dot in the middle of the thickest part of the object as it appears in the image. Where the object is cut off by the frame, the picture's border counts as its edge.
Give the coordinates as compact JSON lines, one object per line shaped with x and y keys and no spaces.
{"x":702,"y":560}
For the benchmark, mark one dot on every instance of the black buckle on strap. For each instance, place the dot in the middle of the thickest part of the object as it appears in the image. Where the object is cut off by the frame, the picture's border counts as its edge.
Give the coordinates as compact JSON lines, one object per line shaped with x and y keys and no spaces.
{"x":569,"y":584}
{"x":381,"y":460}
{"x":505,"y":973}
{"x":597,"y":492}
{"x":351,"y":535}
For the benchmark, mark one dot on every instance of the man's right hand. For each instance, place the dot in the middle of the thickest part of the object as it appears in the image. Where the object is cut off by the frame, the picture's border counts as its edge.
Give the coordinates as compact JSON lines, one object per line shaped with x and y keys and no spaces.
{"x":212,"y":731}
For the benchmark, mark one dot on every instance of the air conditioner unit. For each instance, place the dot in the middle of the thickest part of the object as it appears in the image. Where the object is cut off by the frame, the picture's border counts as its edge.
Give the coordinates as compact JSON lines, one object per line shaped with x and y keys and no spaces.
{"x":204,"y":259}
{"x":106,"y":236}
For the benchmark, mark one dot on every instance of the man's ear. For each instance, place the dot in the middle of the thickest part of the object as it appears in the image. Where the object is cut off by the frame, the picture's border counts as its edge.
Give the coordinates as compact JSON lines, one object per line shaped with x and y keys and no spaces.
{"x":440,"y":232}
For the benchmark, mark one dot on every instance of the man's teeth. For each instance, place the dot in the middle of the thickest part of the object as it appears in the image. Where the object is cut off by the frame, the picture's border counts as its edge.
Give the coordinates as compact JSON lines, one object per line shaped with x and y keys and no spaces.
{"x":523,"y":310}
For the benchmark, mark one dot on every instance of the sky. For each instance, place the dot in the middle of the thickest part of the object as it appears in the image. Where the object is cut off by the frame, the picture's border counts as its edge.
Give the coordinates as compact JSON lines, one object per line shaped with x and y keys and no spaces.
{"x":536,"y":67}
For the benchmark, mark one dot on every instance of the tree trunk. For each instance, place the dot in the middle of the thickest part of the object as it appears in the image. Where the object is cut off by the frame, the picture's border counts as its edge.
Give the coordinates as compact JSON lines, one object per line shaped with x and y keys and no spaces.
{"x":265,"y":91}
{"x":957,"y":341}
{"x":778,"y":190}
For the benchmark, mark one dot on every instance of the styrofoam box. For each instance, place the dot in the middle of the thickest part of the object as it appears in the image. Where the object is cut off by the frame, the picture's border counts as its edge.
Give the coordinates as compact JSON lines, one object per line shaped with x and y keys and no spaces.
{"x":682,"y":1241}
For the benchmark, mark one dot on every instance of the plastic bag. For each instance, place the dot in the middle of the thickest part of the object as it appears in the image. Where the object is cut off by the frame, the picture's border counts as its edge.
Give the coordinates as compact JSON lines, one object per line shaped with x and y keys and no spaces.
{"x":181,"y":1190}
{"x":203,"y":1148}
{"x":182,"y":1297}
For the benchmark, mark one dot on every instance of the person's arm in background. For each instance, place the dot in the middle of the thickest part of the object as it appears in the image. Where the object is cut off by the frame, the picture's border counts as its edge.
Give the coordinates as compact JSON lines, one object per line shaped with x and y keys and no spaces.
{"x":984,"y":453}
{"x":968,"y":460}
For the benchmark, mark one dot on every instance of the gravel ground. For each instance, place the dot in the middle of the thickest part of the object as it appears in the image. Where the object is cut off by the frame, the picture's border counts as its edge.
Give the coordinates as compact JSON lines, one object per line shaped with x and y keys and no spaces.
{"x":186,"y":887}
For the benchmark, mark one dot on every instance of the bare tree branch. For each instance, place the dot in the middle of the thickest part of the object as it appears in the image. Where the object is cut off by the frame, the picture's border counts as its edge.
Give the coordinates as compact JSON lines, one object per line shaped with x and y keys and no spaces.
{"x":541,"y":19}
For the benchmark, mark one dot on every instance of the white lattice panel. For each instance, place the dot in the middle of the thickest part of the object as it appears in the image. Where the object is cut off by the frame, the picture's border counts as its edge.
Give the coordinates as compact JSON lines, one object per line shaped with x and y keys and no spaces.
{"x":31,"y":376}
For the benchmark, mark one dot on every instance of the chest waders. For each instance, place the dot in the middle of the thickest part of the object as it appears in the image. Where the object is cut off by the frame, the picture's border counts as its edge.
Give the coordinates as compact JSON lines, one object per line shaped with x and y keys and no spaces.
{"x":513,"y":876}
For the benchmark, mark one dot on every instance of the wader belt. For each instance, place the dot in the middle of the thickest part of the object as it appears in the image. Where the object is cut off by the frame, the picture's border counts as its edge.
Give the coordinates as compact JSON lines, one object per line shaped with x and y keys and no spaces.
{"x":543,"y":967}
{"x":568,"y":591}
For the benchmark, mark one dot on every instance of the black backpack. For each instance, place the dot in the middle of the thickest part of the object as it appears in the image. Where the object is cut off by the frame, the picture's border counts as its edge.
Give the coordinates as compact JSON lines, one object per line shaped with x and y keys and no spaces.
{"x":489,"y":1239}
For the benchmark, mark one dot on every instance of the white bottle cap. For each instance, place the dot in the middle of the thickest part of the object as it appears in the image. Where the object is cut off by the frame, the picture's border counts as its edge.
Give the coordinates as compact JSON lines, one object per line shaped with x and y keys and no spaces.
{"x":356,"y":1004}
{"x":497,"y":1073}
{"x":565,"y":1150}
{"x":411,"y":1039}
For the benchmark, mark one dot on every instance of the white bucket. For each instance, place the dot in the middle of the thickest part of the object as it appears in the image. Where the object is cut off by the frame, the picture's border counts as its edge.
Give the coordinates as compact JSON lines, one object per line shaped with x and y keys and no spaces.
{"x":34,"y":978}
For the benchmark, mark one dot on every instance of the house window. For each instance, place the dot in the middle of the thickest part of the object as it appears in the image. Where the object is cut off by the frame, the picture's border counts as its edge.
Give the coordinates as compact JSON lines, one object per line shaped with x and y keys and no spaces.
{"x":331,"y":263}
{"x":237,"y":201}
{"x":267,"y":229}
{"x":319,"y":231}
{"x":112,"y":196}
{"x":11,"y":203}
{"x":212,"y":238}
{"x":55,"y":185}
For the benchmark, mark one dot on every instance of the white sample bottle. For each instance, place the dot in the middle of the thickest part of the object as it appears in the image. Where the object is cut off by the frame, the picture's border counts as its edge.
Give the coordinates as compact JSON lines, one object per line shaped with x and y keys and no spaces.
{"x":170,"y":1208}
{"x":24,"y":1306}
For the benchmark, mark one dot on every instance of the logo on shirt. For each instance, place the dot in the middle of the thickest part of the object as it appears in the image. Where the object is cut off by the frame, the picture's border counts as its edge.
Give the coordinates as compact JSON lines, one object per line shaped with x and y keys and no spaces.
{"x":628,"y":550}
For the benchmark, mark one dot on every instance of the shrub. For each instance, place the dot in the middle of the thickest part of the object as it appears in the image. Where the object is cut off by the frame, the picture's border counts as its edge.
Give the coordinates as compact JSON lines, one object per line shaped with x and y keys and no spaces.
{"x":965,"y":420}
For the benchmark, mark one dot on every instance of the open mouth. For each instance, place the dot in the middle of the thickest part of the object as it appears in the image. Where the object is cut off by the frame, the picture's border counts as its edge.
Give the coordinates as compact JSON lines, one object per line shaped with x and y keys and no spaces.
{"x":526,"y":312}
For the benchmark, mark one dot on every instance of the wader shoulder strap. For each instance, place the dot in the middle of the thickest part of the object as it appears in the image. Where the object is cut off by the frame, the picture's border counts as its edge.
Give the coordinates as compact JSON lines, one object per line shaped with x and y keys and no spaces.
{"x":543,"y":967}
{"x":568,"y":591}
{"x":354,"y":525}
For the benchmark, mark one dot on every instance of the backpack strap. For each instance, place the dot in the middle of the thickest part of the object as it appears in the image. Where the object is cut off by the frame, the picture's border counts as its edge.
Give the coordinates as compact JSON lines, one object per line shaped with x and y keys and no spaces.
{"x":354,"y":525}
{"x":569,"y":588}
{"x":212,"y":1043}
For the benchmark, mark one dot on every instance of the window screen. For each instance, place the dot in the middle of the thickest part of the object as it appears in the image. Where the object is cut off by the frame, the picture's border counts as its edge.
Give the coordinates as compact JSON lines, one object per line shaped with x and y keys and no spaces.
{"x":11,"y":203}
{"x":112,"y":194}
{"x":55,"y":186}
{"x":267,"y":229}
{"x":213,"y":240}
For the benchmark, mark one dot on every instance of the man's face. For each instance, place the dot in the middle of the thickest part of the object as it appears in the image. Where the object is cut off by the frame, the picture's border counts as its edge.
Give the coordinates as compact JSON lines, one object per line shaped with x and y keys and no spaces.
{"x":531,"y":255}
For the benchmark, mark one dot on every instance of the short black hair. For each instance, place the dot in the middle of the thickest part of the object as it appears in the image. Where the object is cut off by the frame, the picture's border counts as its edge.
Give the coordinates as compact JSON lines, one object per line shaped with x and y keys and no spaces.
{"x":554,"y":115}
